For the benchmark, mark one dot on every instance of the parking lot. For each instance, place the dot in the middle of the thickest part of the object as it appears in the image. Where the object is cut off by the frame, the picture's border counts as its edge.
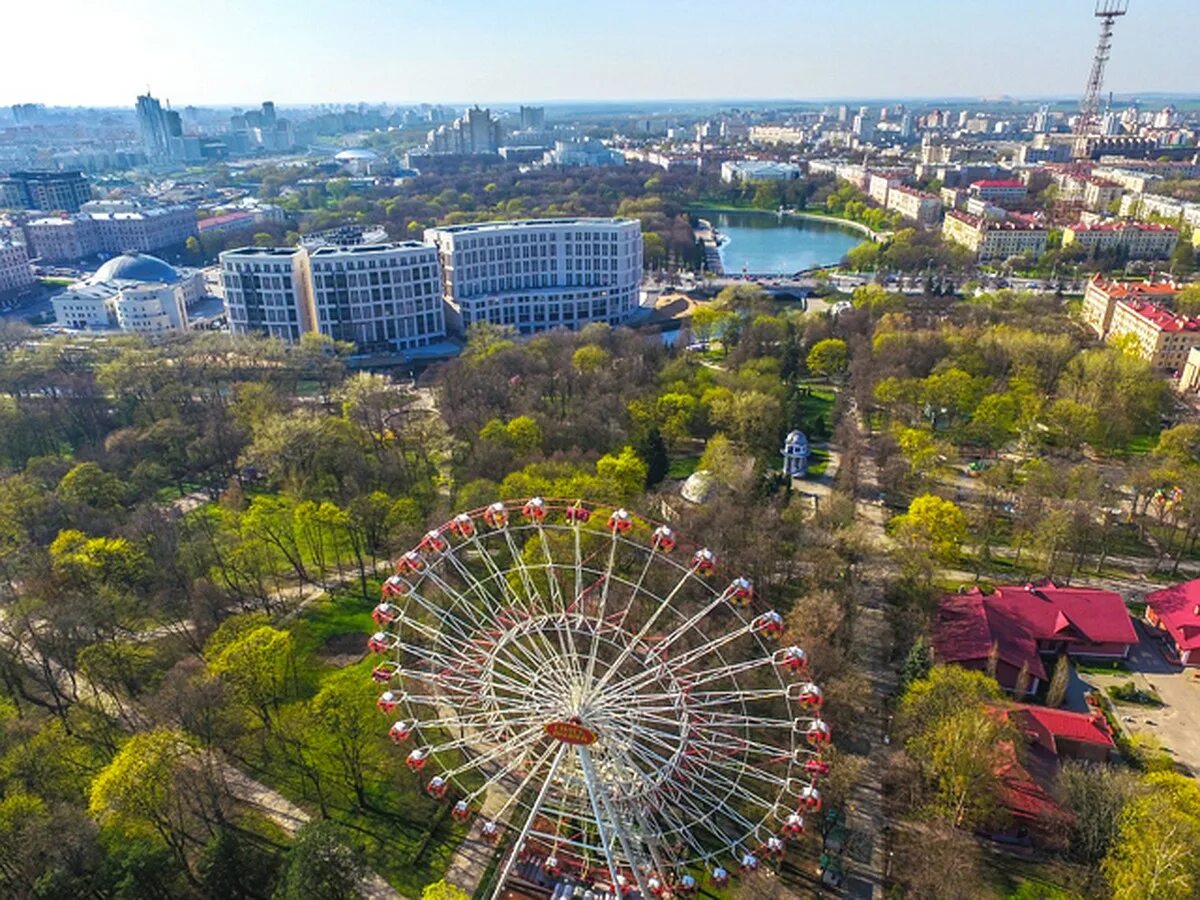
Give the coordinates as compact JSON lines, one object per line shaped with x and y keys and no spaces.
{"x":1177,"y":723}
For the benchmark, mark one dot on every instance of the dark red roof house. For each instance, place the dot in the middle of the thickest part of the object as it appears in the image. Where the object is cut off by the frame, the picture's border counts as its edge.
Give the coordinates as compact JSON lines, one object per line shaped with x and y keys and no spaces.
{"x":1176,"y":610}
{"x":1023,"y":623}
{"x":1027,"y":780}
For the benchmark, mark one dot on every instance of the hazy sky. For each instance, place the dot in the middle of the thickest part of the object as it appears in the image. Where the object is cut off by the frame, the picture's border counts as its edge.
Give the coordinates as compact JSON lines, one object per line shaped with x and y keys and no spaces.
{"x":105,"y":52}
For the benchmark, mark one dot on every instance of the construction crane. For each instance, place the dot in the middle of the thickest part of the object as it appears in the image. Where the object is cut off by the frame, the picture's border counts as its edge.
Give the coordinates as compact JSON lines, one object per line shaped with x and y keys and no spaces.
{"x":1107,"y":11}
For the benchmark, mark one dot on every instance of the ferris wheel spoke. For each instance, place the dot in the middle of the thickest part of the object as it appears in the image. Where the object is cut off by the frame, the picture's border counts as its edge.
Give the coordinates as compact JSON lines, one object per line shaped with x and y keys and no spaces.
{"x":524,"y":738}
{"x":608,"y":573}
{"x":664,"y":603}
{"x":529,"y":820}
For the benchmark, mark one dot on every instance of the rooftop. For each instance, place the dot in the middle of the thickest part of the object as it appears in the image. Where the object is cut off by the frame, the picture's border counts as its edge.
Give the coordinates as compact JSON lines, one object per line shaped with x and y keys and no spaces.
{"x":1010,"y":183}
{"x":1178,"y":608}
{"x":1012,"y":223}
{"x":344,"y":249}
{"x":1135,"y":289}
{"x":1164,"y":319}
{"x":1124,"y":226}
{"x":528,"y":223}
{"x":136,"y":267}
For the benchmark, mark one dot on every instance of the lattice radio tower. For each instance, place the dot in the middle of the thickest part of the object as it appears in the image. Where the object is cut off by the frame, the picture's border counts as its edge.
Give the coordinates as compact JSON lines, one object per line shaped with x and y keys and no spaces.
{"x":1107,"y":11}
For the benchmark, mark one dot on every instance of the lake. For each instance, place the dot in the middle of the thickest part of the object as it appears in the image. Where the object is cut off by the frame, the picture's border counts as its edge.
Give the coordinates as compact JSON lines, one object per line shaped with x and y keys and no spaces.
{"x":762,"y":243}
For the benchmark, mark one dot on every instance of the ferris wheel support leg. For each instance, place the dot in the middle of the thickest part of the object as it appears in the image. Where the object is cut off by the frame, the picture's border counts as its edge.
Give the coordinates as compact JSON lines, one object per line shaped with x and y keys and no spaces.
{"x":533,"y":812}
{"x":600,"y":798}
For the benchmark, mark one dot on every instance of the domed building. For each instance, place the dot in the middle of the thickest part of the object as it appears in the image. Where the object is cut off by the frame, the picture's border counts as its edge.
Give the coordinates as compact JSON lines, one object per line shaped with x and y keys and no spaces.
{"x":131,"y":292}
{"x":357,"y":160}
{"x":142,"y":268}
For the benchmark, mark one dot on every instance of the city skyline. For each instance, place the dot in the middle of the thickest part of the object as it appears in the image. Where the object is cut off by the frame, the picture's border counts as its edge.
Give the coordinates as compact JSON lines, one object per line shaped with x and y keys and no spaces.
{"x":469,"y":50}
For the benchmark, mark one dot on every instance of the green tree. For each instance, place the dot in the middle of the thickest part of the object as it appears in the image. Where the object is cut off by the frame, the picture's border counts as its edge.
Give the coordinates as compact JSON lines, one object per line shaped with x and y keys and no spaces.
{"x":623,"y":473}
{"x":589,"y":358}
{"x":933,"y":524}
{"x":1187,"y":301}
{"x":254,"y":666}
{"x":443,"y":890}
{"x":322,"y":865}
{"x":1060,"y":680}
{"x":917,"y":663}
{"x":139,"y":790}
{"x":1154,"y":856}
{"x":90,"y":485}
{"x":828,"y":357}
{"x":345,"y":708}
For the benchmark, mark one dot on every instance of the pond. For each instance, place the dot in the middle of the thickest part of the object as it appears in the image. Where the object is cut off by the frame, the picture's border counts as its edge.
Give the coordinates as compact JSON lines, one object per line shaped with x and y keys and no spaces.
{"x":763,"y":243}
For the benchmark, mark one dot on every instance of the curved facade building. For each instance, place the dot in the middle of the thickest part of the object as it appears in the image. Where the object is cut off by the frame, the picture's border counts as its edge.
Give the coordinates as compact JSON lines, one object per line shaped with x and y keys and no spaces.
{"x":538,"y":274}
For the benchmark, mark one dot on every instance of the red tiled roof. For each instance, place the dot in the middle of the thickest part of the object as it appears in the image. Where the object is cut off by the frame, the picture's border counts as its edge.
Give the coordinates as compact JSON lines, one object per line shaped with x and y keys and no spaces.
{"x":1176,"y":608}
{"x":1047,"y":725}
{"x":1023,"y":790}
{"x":215,"y":221}
{"x":1049,"y":612}
{"x":1163,"y":318}
{"x":967,"y":628}
{"x":998,"y":183}
{"x":1119,"y":289}
{"x":1123,"y":226}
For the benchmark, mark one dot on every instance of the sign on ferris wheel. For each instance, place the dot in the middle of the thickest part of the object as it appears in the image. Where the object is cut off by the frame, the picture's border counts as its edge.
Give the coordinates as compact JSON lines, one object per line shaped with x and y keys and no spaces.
{"x":590,"y":692}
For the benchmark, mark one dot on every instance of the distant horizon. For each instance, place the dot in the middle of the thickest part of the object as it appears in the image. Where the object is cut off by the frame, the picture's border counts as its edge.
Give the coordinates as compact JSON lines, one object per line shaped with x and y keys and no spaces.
{"x":307,"y":52}
{"x":1123,"y":97}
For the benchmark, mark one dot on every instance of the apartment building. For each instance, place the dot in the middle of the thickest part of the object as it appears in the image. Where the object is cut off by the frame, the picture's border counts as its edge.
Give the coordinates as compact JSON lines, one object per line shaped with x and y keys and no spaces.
{"x":916,"y":205}
{"x":1000,"y":190}
{"x":1164,"y":339}
{"x":1115,"y":309}
{"x":379,"y":296}
{"x":268,"y":290}
{"x":1138,"y":240}
{"x":736,"y":170}
{"x":110,"y":230}
{"x":1102,"y":296}
{"x":540,"y":273}
{"x":16,"y":276}
{"x":990,"y":239}
{"x":50,"y":191}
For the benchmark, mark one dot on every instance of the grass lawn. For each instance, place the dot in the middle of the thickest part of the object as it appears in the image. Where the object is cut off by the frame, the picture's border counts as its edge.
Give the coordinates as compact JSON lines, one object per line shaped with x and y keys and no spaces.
{"x":816,"y":409}
{"x":683,"y":467}
{"x":1141,"y":445}
{"x":818,"y":462}
{"x":409,"y":838}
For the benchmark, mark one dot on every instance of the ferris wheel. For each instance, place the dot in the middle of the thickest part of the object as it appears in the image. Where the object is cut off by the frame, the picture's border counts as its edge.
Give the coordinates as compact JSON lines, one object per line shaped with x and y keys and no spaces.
{"x":579,"y":681}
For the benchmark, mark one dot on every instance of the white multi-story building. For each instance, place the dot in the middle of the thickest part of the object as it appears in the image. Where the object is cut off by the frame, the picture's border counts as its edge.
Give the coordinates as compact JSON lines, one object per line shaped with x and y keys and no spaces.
{"x":15,"y":274}
{"x":878,"y":185}
{"x":777,"y":134}
{"x":758,"y":170}
{"x":380,"y":296}
{"x":540,"y":273}
{"x":151,"y":309}
{"x":1000,"y":190}
{"x":268,"y":290}
{"x":913,"y":204}
{"x":994,"y":240}
{"x":1139,"y":240}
